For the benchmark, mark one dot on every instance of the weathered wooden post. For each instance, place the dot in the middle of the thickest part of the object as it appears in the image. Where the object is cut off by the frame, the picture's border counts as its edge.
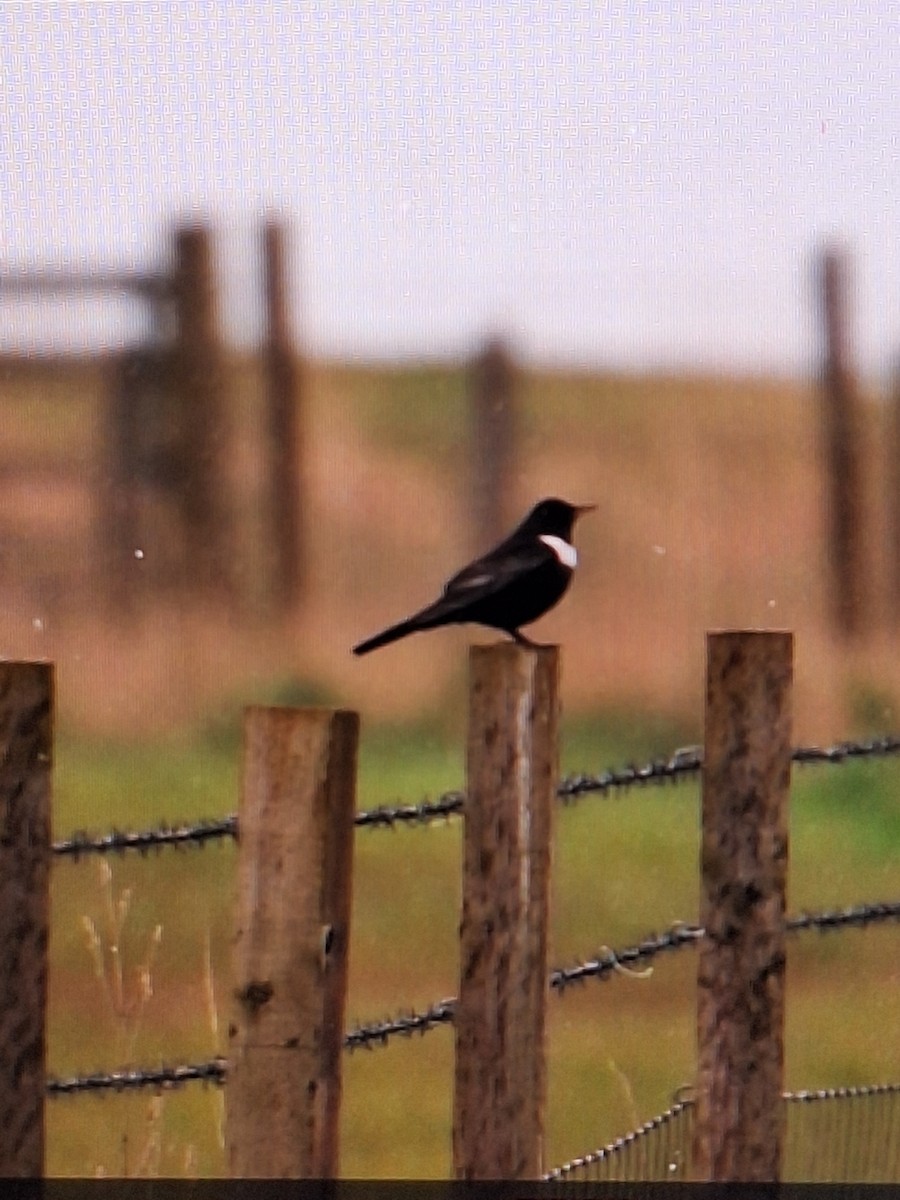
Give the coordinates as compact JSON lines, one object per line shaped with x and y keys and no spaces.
{"x":893,"y":499}
{"x":494,"y":428}
{"x":512,"y":765}
{"x":847,"y":531}
{"x":26,"y":754}
{"x":119,"y":507}
{"x":200,"y":379}
{"x":739,"y":1126}
{"x":295,"y":854}
{"x":283,"y":413}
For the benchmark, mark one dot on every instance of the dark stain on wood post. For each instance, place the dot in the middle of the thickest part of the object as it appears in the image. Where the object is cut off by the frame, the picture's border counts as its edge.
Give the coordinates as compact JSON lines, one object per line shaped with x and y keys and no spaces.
{"x":291,"y":948}
{"x":741,"y":975}
{"x":512,"y":762}
{"x":26,"y":752}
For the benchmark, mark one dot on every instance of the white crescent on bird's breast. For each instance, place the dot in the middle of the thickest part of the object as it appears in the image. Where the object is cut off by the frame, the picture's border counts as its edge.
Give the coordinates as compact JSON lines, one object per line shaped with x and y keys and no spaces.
{"x":564,"y":551}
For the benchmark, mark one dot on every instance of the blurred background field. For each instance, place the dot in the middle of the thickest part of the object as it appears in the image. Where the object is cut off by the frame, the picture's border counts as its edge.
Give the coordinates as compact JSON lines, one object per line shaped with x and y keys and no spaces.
{"x":711,"y":500}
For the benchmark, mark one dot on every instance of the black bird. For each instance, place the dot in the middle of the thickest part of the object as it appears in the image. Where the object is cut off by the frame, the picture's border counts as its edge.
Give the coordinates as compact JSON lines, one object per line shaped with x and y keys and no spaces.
{"x":512,"y":585}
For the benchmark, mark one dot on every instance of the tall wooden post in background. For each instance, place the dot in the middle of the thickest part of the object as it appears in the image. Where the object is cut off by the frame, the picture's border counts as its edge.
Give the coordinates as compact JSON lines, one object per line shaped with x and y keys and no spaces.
{"x":139,"y":420}
{"x":283,"y":399}
{"x":200,"y":379}
{"x":493,"y":417}
{"x":295,"y":851}
{"x":845,"y":511}
{"x":512,"y":766}
{"x":893,"y":500}
{"x":739,"y":1126}
{"x":26,"y":751}
{"x":119,"y":508}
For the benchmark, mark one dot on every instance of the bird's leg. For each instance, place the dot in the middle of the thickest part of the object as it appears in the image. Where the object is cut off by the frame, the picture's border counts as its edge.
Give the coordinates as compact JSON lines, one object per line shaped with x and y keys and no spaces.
{"x":524,"y":641}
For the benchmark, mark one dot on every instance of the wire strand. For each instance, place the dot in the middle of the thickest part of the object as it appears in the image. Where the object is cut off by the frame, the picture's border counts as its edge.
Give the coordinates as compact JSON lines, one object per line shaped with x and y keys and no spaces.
{"x":680,"y":765}
{"x":406,"y":1024}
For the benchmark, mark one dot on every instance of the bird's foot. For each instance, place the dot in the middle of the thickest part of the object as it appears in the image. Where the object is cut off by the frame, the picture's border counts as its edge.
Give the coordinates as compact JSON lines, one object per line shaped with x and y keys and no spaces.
{"x":522,"y":640}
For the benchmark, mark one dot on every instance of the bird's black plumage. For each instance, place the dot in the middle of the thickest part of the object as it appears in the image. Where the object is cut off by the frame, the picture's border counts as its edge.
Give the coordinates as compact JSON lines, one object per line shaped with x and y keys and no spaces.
{"x":510,"y":586}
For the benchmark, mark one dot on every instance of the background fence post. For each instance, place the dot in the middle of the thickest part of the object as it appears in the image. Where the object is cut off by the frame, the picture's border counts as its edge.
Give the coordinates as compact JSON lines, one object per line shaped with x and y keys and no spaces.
{"x":283,"y":402}
{"x":200,"y":377}
{"x":500,"y":1080}
{"x":741,"y":974}
{"x":296,"y":825}
{"x":26,"y":752}
{"x":846,"y":525}
{"x":893,"y":498}
{"x":494,"y":427}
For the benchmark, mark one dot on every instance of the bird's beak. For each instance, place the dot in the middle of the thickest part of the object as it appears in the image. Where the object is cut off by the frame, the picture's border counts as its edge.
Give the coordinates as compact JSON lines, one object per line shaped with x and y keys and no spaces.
{"x":585,"y":508}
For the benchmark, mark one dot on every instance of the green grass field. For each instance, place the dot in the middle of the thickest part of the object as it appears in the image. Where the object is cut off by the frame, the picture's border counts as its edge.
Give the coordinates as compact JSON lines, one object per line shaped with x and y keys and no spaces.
{"x":140,"y":958}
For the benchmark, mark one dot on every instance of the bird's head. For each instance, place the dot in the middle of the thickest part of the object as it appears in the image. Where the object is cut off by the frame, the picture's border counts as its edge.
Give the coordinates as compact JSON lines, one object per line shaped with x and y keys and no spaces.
{"x":555,"y":517}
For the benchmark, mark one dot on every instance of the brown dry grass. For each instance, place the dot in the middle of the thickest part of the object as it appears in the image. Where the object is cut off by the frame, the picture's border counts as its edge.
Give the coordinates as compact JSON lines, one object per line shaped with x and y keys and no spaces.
{"x":710,"y":515}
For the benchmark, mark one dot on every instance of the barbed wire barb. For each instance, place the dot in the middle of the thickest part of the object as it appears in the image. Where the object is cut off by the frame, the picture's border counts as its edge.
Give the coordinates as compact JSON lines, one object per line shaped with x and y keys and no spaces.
{"x":197,"y":833}
{"x":161,"y":1078}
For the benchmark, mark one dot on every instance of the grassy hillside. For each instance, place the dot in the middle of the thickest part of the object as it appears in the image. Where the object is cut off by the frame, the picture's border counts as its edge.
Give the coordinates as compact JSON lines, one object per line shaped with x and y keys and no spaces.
{"x":709,"y":495}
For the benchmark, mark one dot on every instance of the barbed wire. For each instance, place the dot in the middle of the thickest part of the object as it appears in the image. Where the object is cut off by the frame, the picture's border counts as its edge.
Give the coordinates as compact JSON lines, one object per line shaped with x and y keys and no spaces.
{"x":197,"y":833}
{"x":885,"y":745}
{"x":162,"y":1078}
{"x":377,"y":1033}
{"x":385,"y":816}
{"x":442,"y":1012}
{"x":683,"y":934}
{"x":840,"y":918}
{"x":680,"y":765}
{"x":609,"y":961}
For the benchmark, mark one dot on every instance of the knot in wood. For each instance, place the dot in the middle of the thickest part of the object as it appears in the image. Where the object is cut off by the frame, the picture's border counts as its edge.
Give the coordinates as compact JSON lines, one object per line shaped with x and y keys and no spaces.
{"x":255,"y":994}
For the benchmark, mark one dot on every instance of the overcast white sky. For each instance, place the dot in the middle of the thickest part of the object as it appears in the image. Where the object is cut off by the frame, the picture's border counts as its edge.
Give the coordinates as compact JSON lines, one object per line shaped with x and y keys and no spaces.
{"x":607,"y":182}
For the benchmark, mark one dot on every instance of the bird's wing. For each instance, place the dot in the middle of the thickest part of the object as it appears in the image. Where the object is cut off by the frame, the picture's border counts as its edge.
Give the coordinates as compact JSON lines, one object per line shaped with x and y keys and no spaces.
{"x":495,"y":571}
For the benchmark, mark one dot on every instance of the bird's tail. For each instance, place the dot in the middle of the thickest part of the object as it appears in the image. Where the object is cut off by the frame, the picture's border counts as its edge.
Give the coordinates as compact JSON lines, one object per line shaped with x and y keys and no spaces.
{"x":401,"y":629}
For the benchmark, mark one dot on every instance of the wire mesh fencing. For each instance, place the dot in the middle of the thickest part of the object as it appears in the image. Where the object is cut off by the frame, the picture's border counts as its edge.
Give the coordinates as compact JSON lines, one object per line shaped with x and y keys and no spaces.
{"x":833,"y":1135}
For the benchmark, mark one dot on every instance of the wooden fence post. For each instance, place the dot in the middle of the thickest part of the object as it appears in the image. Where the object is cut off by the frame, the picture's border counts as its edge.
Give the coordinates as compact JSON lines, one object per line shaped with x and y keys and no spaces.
{"x":893,"y":499}
{"x":296,"y":825}
{"x":500,"y":1079}
{"x":739,"y":1127}
{"x":283,"y":401}
{"x":492,"y":402}
{"x":846,"y":525}
{"x":200,"y":381}
{"x":26,"y":751}
{"x":119,"y":509}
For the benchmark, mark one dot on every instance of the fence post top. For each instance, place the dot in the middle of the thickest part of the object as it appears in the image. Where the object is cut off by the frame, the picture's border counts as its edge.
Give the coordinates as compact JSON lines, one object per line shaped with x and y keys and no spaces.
{"x":511,"y":650}
{"x":312,"y":710}
{"x":749,"y":633}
